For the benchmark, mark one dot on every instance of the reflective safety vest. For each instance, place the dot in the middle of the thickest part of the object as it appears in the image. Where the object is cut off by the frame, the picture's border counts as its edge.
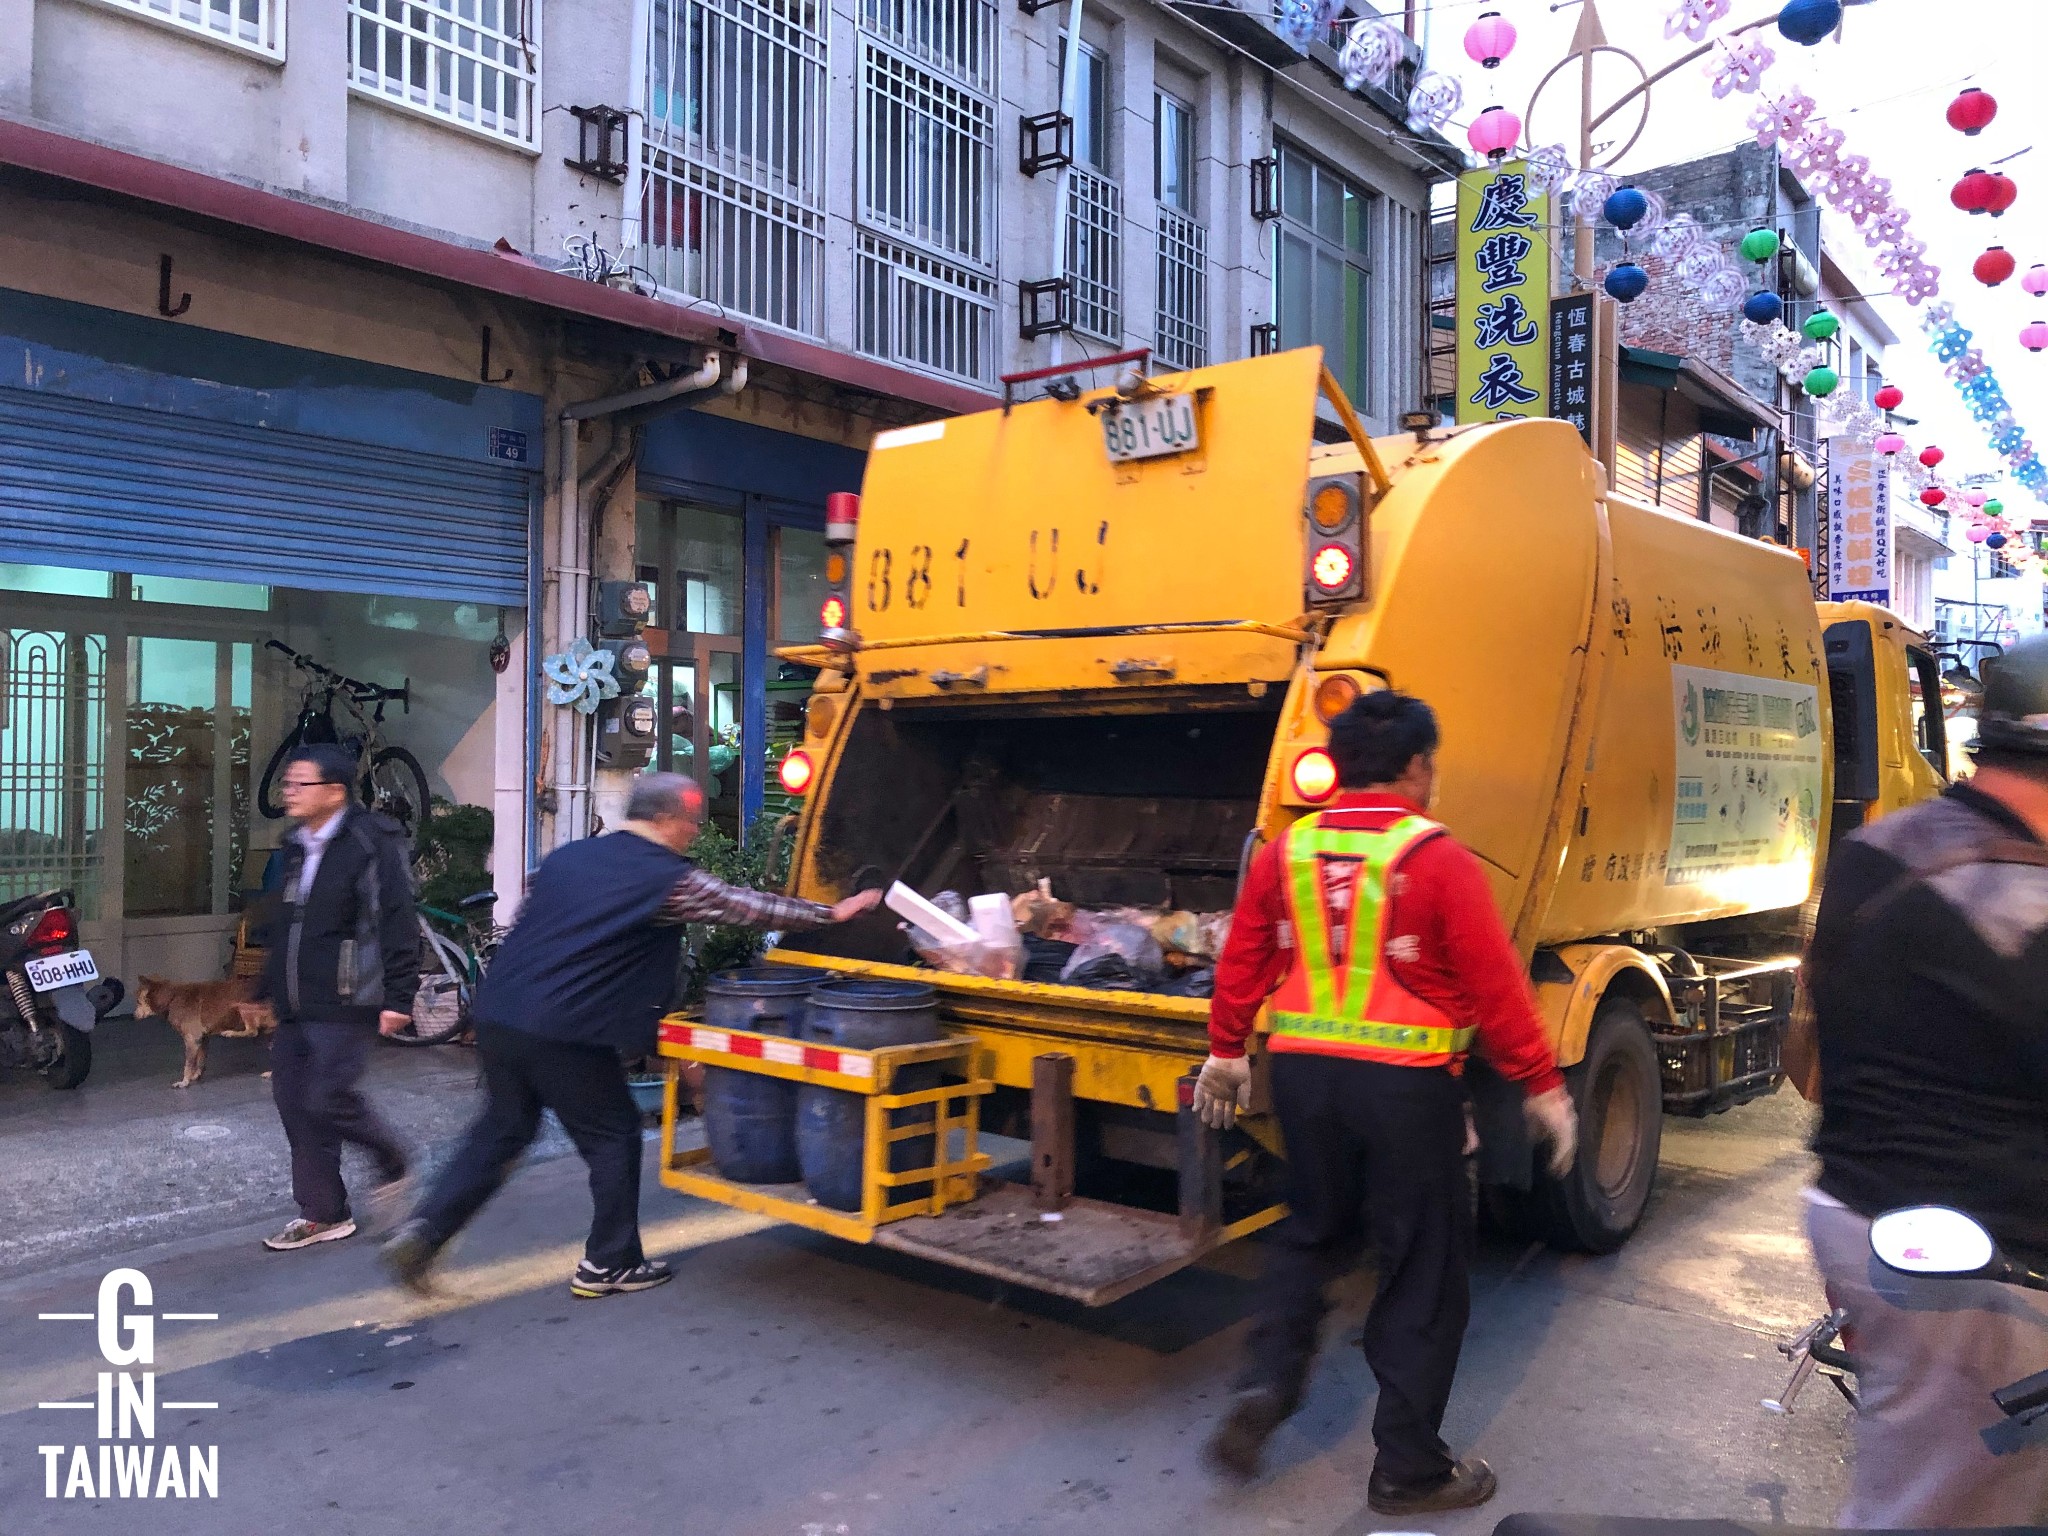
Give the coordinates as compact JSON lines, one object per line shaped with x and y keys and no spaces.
{"x":1340,"y":997}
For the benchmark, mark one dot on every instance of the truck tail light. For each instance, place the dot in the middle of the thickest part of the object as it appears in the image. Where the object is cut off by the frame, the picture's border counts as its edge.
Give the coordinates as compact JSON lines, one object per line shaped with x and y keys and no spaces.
{"x":797,"y":772}
{"x":57,"y":929}
{"x":835,"y":614}
{"x":1315,"y":776}
{"x":1335,"y":514}
{"x":1334,"y":695}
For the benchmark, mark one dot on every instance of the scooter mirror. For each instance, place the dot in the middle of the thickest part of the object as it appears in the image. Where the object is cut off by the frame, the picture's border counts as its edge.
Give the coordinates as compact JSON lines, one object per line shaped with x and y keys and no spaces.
{"x":1932,"y":1240}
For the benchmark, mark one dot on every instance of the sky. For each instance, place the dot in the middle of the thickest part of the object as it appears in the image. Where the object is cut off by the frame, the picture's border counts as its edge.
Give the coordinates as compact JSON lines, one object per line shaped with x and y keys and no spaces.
{"x":1886,"y":84}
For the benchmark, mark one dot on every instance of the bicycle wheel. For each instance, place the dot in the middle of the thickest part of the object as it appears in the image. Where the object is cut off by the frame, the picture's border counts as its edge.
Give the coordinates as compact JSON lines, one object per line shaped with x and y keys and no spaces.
{"x":396,"y":784}
{"x":308,"y":731}
{"x":440,"y":1009}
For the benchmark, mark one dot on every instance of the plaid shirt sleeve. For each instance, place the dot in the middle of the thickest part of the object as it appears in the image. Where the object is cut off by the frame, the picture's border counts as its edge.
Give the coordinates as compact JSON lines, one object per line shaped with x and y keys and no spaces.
{"x":701,"y":897}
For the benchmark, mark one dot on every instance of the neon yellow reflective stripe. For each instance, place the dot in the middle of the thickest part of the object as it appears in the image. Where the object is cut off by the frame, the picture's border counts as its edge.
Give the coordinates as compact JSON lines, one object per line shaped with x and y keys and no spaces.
{"x":1376,"y":852}
{"x":1419,"y":1039}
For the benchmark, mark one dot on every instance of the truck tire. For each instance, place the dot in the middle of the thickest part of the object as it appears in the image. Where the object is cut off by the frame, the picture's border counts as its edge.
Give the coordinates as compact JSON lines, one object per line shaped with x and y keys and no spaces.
{"x":1620,"y":1097}
{"x":69,"y":1069}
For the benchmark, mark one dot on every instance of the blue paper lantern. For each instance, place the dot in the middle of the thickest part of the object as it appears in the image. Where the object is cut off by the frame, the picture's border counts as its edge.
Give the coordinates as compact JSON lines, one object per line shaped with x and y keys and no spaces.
{"x":1808,"y":21}
{"x":1624,"y":209}
{"x":1994,"y":541}
{"x":1762,"y":308}
{"x":1627,"y":282}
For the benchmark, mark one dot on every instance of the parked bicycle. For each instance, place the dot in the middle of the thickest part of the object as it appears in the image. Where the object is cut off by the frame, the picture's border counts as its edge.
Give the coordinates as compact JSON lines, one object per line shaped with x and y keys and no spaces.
{"x":455,"y":947}
{"x":388,"y":778}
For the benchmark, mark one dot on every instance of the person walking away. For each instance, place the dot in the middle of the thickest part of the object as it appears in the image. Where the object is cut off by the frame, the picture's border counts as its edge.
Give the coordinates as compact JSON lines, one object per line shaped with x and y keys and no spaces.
{"x":341,"y":965}
{"x":1928,"y":973}
{"x":577,"y":988}
{"x":1379,"y":932}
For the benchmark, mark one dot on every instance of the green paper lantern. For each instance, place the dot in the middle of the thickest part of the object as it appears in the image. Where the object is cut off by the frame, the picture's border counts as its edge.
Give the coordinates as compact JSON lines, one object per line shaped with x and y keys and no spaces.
{"x":1759,"y":245}
{"x":1820,"y":325}
{"x":1994,"y":507}
{"x":1821,"y":383}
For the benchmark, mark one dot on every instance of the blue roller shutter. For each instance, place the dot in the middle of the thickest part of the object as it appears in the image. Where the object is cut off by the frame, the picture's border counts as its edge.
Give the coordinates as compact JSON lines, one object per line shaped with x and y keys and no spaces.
{"x":108,"y":487}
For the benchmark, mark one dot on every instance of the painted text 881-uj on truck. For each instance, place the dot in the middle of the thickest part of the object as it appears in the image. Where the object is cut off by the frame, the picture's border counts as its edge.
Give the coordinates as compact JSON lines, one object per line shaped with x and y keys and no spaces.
{"x":1058,"y":657}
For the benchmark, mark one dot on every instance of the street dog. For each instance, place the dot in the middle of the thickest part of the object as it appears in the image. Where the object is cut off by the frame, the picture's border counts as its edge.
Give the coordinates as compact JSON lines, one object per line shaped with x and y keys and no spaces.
{"x":197,"y":1009}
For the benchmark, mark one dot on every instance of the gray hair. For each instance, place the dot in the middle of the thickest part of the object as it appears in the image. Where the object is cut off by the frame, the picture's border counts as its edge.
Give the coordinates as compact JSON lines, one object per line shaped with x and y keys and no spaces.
{"x":661,"y":796}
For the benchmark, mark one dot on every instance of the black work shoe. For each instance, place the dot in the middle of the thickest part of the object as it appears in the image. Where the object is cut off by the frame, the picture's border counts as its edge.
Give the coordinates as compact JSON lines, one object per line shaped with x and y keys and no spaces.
{"x":589,"y":1280}
{"x":408,"y":1255}
{"x":1468,"y":1484}
{"x":1239,"y":1444}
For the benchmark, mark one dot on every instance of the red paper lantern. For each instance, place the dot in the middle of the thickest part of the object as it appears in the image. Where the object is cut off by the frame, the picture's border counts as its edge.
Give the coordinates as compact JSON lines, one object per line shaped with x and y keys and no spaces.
{"x":2004,"y":192}
{"x":1972,"y":111}
{"x":1889,"y":398}
{"x":1931,"y":456}
{"x":2035,"y":337}
{"x":1973,"y":193}
{"x":1934,"y":496}
{"x":1994,"y":266}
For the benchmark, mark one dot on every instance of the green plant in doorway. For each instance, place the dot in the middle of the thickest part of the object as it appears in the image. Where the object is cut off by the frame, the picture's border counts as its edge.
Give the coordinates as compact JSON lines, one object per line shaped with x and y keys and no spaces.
{"x":452,"y":857}
{"x":760,"y":863}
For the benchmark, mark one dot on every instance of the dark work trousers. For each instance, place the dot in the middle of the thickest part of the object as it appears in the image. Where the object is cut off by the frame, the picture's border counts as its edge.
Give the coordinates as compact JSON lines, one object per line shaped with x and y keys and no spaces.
{"x":1374,"y":1153}
{"x":314,"y":1069}
{"x":585,"y":1085}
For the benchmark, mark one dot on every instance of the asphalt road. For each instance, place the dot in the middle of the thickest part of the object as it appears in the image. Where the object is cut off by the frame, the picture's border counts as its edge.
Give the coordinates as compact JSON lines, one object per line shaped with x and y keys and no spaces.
{"x":795,"y":1385}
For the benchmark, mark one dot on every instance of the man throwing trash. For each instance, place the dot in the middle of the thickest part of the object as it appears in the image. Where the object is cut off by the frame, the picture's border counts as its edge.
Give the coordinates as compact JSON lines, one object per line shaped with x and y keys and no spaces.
{"x":578,"y":985}
{"x":1379,"y":933}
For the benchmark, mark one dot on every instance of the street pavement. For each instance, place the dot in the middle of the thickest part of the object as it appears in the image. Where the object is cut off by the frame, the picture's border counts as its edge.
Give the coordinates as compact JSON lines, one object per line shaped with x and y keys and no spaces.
{"x":791,"y":1385}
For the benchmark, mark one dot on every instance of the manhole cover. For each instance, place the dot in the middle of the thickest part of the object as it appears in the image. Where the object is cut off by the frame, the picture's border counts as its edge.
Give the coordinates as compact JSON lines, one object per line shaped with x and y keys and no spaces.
{"x":205,"y":1132}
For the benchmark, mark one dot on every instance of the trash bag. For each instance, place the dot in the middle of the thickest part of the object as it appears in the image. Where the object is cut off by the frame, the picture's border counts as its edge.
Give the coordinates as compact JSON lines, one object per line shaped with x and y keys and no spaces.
{"x":1180,"y":931}
{"x":1142,"y":961}
{"x":1195,"y":983}
{"x":1039,"y":914}
{"x":1045,"y":960}
{"x":954,"y":905}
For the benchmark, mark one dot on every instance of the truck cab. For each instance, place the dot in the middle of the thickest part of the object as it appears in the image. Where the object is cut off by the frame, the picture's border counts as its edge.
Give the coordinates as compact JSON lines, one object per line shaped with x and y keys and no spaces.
{"x":1884,"y":683}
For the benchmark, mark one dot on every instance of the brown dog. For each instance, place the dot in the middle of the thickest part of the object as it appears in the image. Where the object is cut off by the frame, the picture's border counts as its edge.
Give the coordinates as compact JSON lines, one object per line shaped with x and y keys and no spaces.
{"x":196,"y":1009}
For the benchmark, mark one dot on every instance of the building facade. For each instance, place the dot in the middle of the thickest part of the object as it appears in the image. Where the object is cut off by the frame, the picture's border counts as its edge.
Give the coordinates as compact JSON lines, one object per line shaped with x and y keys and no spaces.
{"x":378,"y":334}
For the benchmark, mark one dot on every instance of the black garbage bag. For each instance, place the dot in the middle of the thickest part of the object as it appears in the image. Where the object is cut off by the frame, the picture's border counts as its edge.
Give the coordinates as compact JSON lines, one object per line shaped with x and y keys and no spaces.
{"x":1105,"y":973}
{"x":1044,"y":959}
{"x":1197,"y":983}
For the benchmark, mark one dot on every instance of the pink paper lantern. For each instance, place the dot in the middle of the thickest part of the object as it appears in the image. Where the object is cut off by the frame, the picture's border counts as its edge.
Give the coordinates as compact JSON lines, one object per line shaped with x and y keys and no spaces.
{"x":1889,"y":443}
{"x":1494,"y":132}
{"x":1975,"y":498}
{"x":2036,"y":280}
{"x":1489,"y":40}
{"x":2034,"y":337}
{"x":1976,"y":535}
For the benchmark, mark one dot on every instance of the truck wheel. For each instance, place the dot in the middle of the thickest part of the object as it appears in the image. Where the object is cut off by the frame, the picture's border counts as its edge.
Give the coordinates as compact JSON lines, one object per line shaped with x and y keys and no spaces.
{"x":69,"y":1069}
{"x":1620,"y":1098}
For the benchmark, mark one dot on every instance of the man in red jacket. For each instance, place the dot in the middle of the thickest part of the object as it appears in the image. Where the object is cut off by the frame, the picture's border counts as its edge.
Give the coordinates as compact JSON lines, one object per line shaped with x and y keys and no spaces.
{"x":1372,"y":936}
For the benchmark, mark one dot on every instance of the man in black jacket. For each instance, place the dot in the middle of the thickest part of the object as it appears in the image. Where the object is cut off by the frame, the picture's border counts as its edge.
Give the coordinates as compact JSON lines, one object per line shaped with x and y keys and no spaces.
{"x":581,"y":982}
{"x":1928,"y":974}
{"x":343,"y":964}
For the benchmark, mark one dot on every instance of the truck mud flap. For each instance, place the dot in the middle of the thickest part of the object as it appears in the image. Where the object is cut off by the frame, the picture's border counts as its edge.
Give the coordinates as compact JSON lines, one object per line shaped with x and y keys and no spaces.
{"x":1096,"y":1253}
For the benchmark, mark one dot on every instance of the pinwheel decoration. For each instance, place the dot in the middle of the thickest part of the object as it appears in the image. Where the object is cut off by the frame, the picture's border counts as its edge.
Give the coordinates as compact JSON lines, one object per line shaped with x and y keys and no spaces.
{"x":580,"y":677}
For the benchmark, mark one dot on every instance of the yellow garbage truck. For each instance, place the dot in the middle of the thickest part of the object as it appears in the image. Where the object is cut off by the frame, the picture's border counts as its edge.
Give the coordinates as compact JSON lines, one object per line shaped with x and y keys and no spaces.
{"x":1088,"y":644}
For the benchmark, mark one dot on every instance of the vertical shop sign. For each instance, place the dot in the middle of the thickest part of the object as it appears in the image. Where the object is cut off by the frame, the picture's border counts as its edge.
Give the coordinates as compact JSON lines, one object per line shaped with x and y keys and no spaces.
{"x":1571,"y":361}
{"x":1859,"y":524}
{"x":1503,"y":296}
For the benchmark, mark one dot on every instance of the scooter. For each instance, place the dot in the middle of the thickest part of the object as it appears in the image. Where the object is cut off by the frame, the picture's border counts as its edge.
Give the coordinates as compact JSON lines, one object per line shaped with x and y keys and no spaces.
{"x":51,"y":991}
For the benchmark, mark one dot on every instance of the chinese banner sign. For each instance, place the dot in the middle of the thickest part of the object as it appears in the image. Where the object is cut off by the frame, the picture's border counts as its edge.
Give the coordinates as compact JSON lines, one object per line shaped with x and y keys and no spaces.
{"x":1503,"y":296}
{"x":1859,"y":528}
{"x":1571,"y":361}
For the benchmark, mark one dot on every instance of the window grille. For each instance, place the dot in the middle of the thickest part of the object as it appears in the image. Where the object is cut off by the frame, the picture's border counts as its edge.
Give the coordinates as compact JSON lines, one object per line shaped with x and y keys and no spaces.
{"x":1095,"y":222}
{"x":1181,"y":337}
{"x":472,"y":63}
{"x":928,"y":313}
{"x":252,"y":26}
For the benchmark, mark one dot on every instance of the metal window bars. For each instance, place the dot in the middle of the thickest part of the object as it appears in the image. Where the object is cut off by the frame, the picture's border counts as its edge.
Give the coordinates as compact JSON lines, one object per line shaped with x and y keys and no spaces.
{"x":915,"y":309}
{"x":1181,"y":324}
{"x":927,"y":157}
{"x":255,"y":26}
{"x":53,"y":702}
{"x":1095,"y":240}
{"x":472,"y":63}
{"x":957,"y":37}
{"x":732,"y":202}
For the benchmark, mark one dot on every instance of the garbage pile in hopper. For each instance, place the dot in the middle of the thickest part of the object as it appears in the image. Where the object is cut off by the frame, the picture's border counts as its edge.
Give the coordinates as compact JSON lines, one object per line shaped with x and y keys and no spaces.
{"x":1034,"y":936}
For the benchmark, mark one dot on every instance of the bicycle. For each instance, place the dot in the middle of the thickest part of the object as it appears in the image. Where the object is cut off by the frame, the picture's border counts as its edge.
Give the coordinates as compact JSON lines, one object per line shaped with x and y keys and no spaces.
{"x":388,"y":778}
{"x":450,"y":969}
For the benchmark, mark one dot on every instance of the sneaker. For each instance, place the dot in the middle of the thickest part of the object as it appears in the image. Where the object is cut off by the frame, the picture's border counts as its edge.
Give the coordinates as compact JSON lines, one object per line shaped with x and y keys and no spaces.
{"x":1237,"y":1448}
{"x":302,"y":1233}
{"x":408,"y":1256}
{"x":1469,"y":1483}
{"x":387,"y":1205}
{"x":589,"y":1280}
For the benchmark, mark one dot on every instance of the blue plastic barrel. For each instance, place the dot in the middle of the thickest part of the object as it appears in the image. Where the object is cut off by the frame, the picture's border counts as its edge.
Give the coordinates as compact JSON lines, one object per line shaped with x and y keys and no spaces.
{"x":750,"y":1120}
{"x":831,"y":1126}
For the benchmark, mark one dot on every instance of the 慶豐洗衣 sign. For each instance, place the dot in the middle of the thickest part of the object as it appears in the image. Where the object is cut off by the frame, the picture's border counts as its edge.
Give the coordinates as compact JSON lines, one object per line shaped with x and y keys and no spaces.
{"x":1503,"y":296}
{"x":1859,"y":529}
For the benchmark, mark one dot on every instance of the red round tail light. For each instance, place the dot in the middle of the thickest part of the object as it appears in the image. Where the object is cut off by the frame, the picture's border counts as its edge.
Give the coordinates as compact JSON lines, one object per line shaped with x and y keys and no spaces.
{"x":1332,"y":567}
{"x":57,"y":929}
{"x":1315,"y":776}
{"x":796,"y":772}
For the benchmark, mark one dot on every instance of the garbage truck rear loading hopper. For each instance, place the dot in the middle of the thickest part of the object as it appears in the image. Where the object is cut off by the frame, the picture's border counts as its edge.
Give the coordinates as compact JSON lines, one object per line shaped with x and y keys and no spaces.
{"x":1063,"y":662}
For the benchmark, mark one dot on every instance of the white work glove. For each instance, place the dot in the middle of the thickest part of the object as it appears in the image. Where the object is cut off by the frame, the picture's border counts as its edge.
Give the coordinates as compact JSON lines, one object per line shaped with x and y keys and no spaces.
{"x":1224,"y":1088}
{"x":1552,"y":1118}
